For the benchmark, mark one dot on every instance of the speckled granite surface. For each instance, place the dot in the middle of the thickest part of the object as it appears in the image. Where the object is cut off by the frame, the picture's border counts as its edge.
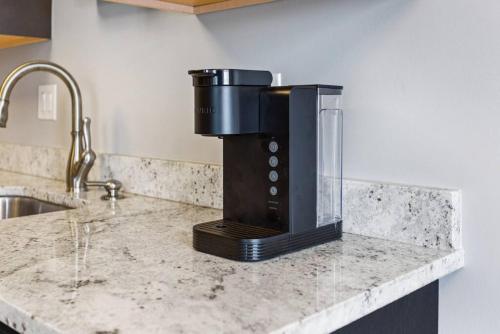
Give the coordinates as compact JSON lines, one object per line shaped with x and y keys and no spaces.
{"x":429,"y":217}
{"x":46,"y":162}
{"x":187,"y":182}
{"x":422,"y":216}
{"x":128,"y":267}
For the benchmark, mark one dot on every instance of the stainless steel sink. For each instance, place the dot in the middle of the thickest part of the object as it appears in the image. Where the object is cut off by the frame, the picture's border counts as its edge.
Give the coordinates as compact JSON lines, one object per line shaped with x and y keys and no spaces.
{"x":19,"y":206}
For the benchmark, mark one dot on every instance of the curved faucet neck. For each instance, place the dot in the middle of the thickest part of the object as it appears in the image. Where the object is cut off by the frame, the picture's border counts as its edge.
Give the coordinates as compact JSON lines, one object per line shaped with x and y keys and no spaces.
{"x":74,"y":183}
{"x":43,"y":66}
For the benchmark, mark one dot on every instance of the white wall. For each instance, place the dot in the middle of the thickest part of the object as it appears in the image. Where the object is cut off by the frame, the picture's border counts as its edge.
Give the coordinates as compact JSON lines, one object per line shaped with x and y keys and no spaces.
{"x":422,"y":97}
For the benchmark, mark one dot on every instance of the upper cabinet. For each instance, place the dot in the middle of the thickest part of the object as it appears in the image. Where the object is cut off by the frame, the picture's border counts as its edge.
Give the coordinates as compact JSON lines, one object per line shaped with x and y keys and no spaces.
{"x":192,"y":6}
{"x":24,"y":22}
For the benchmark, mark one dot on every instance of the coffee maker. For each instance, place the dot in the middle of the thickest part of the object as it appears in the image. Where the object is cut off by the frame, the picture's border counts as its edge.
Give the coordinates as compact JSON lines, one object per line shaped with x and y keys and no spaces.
{"x":282,"y":157}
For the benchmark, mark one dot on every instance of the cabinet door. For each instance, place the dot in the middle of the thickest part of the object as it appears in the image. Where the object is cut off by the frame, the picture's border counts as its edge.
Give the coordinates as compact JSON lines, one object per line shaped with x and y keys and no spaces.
{"x":416,"y":313}
{"x":24,"y":22}
{"x":4,"y":329}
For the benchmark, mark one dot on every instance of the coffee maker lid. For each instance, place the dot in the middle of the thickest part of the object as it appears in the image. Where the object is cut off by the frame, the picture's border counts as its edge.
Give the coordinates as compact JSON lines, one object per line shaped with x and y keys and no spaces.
{"x":230,"y":77}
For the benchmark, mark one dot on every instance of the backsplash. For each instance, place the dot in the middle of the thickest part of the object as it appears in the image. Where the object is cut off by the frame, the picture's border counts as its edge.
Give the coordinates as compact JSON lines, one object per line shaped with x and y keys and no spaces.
{"x":423,"y":216}
{"x":429,"y":217}
{"x":187,"y":182}
{"x":40,"y":161}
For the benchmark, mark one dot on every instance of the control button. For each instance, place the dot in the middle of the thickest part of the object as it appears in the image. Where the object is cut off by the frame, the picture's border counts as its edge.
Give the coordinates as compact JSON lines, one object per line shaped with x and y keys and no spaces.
{"x":273,"y":176}
{"x":273,"y":161}
{"x":273,"y":191}
{"x":273,"y":147}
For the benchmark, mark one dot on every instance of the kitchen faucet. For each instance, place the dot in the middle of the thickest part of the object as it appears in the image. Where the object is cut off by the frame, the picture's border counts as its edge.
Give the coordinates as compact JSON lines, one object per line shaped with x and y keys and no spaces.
{"x":81,"y":157}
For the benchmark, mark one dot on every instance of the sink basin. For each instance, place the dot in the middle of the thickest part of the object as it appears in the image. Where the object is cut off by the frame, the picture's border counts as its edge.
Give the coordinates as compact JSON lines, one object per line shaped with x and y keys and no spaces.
{"x":19,"y":206}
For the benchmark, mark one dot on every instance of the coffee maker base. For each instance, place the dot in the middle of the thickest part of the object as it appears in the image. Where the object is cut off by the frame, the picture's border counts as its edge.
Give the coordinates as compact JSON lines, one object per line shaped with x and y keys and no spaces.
{"x":242,"y":242}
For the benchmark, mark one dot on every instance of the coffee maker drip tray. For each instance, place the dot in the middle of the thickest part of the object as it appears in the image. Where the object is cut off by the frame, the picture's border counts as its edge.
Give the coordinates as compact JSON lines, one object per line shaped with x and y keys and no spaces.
{"x":244,"y":242}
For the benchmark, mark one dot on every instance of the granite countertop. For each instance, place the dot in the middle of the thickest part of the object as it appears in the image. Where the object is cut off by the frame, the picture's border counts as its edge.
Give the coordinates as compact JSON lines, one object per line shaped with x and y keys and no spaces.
{"x":129,"y":267}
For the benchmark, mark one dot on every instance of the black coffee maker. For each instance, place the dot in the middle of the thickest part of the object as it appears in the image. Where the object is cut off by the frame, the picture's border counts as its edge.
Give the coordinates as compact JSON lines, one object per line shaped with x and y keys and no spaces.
{"x":282,"y":154}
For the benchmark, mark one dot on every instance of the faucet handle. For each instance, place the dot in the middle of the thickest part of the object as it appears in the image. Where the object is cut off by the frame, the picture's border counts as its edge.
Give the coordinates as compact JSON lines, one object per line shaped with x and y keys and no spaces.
{"x":87,"y":140}
{"x":87,"y":157}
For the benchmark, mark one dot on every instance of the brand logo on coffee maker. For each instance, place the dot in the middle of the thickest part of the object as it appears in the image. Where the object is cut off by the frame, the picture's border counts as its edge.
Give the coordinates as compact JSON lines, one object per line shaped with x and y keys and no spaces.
{"x":206,"y":110}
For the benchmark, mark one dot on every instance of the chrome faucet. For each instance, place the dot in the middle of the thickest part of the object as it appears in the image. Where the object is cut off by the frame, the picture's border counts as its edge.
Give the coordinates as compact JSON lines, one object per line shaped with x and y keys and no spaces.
{"x":81,"y":157}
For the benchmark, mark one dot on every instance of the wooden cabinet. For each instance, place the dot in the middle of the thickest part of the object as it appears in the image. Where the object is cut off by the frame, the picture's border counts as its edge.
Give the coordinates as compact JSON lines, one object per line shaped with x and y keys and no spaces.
{"x":24,"y":22}
{"x":192,"y":6}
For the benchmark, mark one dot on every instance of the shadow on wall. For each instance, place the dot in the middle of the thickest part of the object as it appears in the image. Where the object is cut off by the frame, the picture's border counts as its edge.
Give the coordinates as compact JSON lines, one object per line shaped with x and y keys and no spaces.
{"x":110,"y":10}
{"x":303,"y":38}
{"x":117,"y":132}
{"x":13,"y":57}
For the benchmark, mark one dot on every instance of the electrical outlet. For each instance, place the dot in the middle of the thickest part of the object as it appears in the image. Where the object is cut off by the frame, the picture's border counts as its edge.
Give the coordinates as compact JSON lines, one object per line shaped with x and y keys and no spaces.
{"x":47,"y":102}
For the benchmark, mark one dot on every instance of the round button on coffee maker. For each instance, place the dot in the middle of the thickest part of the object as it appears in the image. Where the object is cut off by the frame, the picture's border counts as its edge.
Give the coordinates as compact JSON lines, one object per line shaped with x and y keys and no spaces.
{"x":273,"y":147}
{"x":273,"y":161}
{"x":273,"y":176}
{"x":273,"y":191}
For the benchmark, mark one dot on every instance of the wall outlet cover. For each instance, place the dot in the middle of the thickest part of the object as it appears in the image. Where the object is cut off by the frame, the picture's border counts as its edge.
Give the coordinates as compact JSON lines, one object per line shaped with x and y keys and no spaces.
{"x":47,"y":102}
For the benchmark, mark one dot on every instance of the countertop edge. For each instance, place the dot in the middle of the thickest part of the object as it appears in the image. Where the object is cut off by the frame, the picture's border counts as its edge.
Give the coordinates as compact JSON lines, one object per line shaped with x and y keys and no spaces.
{"x":329,"y":320}
{"x":23,"y":322}
{"x":324,"y":321}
